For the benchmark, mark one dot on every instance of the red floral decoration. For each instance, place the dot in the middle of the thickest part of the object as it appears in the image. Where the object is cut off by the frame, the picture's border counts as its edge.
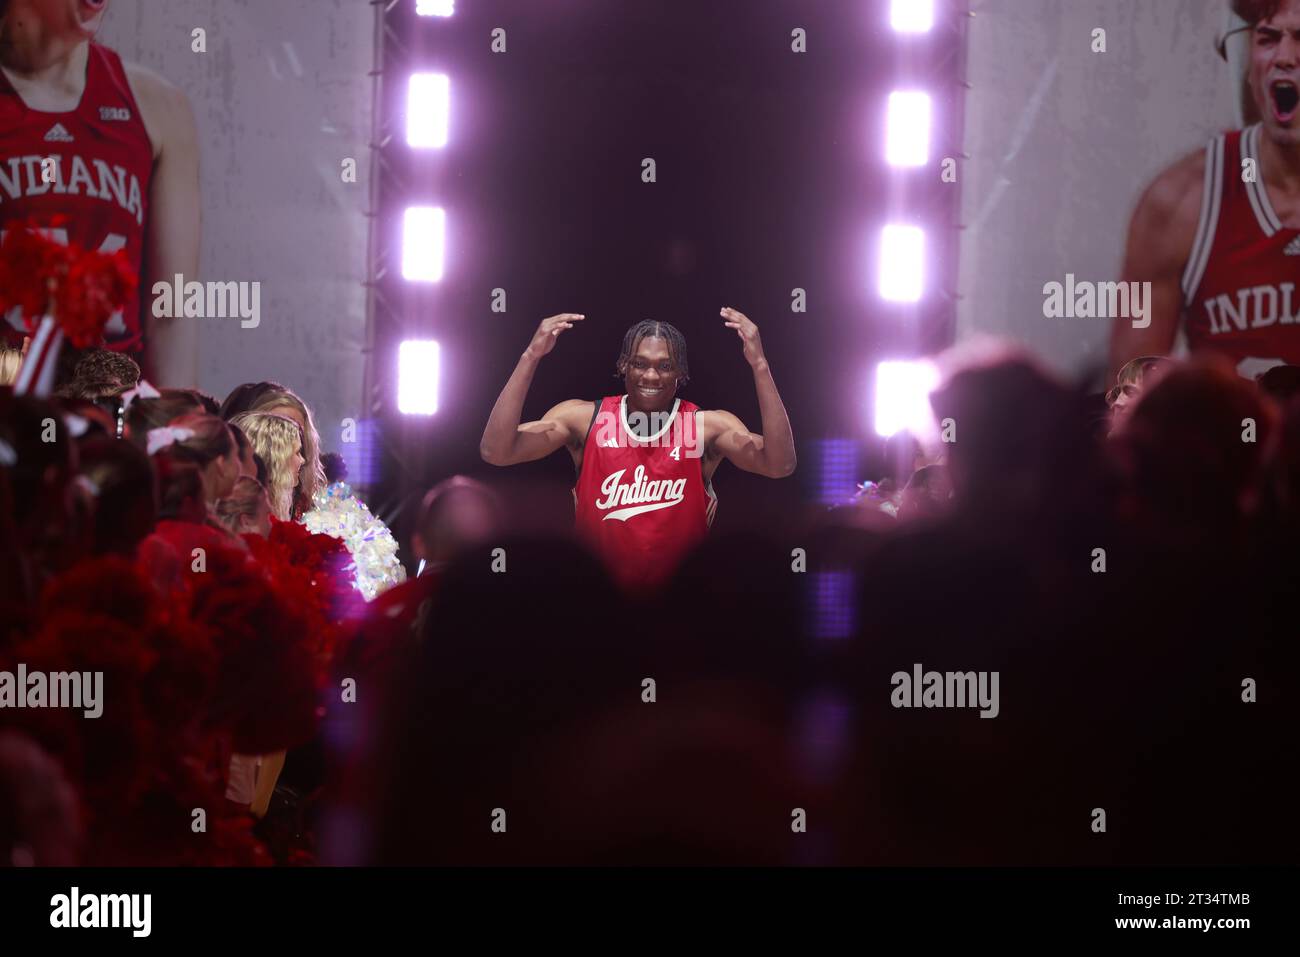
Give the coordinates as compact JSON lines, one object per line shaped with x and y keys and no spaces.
{"x":231,"y":655}
{"x":311,"y":569}
{"x":151,"y":757}
{"x":267,"y":680}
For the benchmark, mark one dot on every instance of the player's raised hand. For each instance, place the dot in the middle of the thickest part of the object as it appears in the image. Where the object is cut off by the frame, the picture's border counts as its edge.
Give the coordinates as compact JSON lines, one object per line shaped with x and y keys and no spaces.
{"x":546,"y":334}
{"x":747,"y":331}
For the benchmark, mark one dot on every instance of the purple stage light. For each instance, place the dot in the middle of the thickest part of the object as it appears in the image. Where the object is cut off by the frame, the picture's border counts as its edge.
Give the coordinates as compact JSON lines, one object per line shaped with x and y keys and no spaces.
{"x":911,"y":16}
{"x":435,"y":8}
{"x":907,"y":136}
{"x":903,"y":390}
{"x":423,"y":229}
{"x":428,"y":106}
{"x":418,"y":362}
{"x":902,"y":254}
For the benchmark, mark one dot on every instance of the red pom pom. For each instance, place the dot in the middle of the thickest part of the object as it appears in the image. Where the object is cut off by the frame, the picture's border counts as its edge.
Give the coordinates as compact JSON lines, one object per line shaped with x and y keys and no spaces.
{"x":81,"y":289}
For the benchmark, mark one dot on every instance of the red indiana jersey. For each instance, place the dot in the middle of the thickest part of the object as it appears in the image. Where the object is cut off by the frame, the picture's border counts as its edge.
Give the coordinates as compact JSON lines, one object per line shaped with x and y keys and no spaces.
{"x":642,"y":503}
{"x":1239,"y":287}
{"x":104,"y":162}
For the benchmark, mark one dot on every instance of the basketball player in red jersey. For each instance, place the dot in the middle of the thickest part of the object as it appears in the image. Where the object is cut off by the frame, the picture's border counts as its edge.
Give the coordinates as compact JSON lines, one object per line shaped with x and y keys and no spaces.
{"x":645,"y":460}
{"x":1220,"y":252}
{"x":126,"y":150}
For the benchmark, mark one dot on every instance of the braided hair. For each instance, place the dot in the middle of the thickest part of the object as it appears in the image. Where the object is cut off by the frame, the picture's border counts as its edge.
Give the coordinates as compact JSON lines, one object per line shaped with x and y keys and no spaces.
{"x":650,"y":329}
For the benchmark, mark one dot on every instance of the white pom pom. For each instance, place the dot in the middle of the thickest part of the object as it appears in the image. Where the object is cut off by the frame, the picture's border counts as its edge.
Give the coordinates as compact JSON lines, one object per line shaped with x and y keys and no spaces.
{"x":339,"y":513}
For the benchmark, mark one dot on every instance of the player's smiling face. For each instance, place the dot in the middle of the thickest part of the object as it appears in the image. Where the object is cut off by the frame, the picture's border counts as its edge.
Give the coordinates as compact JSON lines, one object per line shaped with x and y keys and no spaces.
{"x":1275,"y":73}
{"x":651,"y":376}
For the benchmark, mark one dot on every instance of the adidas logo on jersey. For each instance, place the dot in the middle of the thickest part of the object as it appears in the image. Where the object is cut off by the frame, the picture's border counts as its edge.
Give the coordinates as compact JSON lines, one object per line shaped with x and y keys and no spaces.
{"x":58,"y":134}
{"x":1292,"y":248}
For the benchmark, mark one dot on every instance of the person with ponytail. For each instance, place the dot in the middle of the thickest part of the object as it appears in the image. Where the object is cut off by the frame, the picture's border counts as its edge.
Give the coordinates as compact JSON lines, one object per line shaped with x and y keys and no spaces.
{"x":197,"y":462}
{"x":205,"y":442}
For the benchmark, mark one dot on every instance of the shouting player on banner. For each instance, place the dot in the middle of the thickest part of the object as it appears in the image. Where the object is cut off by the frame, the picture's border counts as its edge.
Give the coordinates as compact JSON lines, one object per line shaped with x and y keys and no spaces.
{"x":124,"y":171}
{"x":645,"y":459}
{"x":1218,"y":233}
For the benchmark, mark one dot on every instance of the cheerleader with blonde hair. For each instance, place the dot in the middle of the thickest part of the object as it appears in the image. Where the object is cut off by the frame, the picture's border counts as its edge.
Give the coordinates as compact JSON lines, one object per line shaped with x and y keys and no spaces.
{"x":280,"y":443}
{"x":278,"y":400}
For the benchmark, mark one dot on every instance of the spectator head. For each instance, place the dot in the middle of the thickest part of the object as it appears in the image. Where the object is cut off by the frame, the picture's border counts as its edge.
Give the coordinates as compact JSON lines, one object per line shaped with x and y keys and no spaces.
{"x":205,"y":442}
{"x":312,"y":480}
{"x":10,"y":360}
{"x":180,"y":490}
{"x":456,"y":514}
{"x":336,"y":470}
{"x":1016,"y":426}
{"x":146,"y":414}
{"x":124,"y":490}
{"x":244,"y":398}
{"x":1135,"y":375}
{"x":245,"y":511}
{"x":208,"y":403}
{"x":1281,"y":383}
{"x":102,"y":365}
{"x":275,"y":398}
{"x":1194,"y":444}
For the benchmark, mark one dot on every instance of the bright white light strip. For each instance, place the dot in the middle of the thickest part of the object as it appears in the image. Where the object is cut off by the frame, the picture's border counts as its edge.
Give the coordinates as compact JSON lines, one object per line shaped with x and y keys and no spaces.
{"x":422,"y":243}
{"x":417,"y":377}
{"x":907,"y":137}
{"x":902,"y":251}
{"x":903,"y":396}
{"x":435,"y":8}
{"x":428,"y":103}
{"x":911,"y":16}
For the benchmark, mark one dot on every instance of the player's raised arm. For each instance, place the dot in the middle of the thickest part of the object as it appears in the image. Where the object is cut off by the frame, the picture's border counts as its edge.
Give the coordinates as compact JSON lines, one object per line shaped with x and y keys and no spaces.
{"x":172,"y":229}
{"x":1160,"y":238}
{"x":771,"y":454}
{"x":505,"y":441}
